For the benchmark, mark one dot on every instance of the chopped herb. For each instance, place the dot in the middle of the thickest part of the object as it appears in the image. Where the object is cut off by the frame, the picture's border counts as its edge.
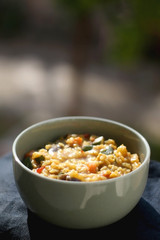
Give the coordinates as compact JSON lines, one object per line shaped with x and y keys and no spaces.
{"x":27,"y":162}
{"x":39,"y":159}
{"x":87,"y":147}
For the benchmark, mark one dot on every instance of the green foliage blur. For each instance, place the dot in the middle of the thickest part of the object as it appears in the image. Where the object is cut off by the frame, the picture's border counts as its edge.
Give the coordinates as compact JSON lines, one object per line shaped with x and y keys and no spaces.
{"x":135,"y":26}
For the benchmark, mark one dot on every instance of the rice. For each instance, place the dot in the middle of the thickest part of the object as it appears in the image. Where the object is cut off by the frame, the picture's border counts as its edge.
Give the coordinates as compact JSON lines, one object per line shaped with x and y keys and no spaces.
{"x":82,"y":157}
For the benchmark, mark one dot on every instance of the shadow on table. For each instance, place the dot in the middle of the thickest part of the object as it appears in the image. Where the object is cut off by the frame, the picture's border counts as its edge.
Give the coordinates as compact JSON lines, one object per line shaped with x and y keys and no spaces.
{"x":143,"y":222}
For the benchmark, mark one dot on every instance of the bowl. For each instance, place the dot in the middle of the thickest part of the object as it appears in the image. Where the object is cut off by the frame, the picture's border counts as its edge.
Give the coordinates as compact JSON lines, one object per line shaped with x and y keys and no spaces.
{"x":80,"y":205}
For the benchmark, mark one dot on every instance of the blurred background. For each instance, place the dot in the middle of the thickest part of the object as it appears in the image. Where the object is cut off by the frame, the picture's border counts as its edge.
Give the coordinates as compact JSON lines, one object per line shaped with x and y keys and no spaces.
{"x":86,"y":57}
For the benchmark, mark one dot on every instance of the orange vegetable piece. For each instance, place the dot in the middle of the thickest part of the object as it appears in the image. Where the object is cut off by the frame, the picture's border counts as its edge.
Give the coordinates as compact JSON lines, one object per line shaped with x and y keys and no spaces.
{"x":39,"y":170}
{"x":78,"y":140}
{"x":106,"y":173}
{"x":92,"y":167}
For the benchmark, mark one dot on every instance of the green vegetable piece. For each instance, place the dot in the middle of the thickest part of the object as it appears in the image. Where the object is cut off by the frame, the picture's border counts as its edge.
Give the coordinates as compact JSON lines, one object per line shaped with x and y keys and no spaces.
{"x":27,"y":162}
{"x":98,"y":140}
{"x":109,"y":150}
{"x":39,"y":159}
{"x":87,"y":147}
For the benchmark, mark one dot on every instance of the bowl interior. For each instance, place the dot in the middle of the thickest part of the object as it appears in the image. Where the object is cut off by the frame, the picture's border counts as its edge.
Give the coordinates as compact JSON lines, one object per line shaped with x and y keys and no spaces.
{"x":40,"y":134}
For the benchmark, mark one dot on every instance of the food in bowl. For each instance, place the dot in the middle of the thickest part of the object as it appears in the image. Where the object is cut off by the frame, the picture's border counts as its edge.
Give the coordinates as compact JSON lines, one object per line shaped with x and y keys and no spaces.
{"x":82,"y":157}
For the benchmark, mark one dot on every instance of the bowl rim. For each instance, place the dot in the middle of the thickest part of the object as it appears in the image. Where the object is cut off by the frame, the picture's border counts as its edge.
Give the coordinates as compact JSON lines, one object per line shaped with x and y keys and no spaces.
{"x":44,"y":122}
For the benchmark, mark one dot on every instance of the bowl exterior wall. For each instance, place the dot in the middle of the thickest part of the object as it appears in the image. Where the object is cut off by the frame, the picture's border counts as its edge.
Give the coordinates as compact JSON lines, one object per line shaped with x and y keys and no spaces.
{"x":80,"y":205}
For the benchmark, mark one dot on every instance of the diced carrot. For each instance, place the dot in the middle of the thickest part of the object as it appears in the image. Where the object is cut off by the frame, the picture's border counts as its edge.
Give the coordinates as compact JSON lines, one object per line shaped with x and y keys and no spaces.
{"x":78,"y":140}
{"x":106,"y":173}
{"x":92,"y":167}
{"x":39,"y":170}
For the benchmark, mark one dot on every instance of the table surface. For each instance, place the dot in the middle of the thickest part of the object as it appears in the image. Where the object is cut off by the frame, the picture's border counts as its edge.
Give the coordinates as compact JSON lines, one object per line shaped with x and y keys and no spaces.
{"x":18,"y":223}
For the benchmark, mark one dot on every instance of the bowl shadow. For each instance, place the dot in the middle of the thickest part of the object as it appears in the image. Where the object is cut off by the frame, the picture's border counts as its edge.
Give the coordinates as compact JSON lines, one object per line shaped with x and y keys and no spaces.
{"x":129,"y":227}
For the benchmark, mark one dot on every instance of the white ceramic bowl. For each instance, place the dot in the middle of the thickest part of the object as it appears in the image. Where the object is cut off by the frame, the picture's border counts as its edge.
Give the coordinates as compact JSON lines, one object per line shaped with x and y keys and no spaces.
{"x":80,"y":204}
